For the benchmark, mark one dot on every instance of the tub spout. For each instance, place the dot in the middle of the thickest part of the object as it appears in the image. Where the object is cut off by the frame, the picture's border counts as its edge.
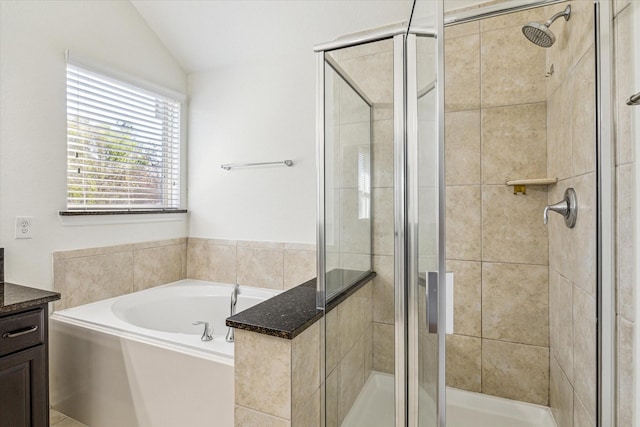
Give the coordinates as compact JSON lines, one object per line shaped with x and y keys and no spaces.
{"x":234,"y":300}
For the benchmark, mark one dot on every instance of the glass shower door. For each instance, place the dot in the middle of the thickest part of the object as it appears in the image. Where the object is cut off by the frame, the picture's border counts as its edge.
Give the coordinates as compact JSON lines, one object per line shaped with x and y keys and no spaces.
{"x":426,"y":274}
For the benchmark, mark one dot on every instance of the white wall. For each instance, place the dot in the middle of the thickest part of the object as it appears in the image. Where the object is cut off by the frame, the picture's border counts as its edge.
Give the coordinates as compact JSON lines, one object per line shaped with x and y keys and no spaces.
{"x":262,"y":111}
{"x":33,"y":38}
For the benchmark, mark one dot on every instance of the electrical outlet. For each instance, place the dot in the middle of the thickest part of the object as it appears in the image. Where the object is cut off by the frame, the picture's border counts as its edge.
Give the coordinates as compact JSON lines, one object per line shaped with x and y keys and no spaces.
{"x":24,"y":227}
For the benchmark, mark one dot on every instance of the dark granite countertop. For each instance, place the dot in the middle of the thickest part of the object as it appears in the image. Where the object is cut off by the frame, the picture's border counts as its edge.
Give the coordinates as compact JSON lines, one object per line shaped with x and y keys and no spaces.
{"x":16,"y":297}
{"x":288,"y":314}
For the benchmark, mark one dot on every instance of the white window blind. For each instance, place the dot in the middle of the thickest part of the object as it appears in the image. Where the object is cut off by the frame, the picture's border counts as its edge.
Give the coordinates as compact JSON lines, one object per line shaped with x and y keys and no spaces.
{"x":123,"y":145}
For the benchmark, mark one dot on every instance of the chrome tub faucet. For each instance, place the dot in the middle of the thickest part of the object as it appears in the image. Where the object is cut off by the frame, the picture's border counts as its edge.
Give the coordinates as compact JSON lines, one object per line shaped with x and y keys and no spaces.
{"x":234,"y":300}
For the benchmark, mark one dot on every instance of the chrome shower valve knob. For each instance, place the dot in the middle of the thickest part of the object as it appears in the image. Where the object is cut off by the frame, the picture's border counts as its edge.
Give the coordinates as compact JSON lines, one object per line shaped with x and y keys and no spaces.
{"x":568,"y":208}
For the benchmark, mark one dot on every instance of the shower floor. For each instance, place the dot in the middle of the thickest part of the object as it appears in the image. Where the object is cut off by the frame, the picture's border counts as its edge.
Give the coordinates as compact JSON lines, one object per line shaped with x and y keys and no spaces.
{"x":374,"y":408}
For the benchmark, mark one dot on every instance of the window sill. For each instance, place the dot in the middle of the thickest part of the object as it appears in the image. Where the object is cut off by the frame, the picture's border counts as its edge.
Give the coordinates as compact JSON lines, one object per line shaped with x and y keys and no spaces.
{"x":122,"y":212}
{"x":87,"y":218}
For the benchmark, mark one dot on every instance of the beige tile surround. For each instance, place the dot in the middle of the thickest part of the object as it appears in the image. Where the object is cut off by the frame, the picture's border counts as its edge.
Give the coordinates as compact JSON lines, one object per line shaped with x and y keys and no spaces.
{"x":83,"y":276}
{"x":87,"y":275}
{"x":287,"y":388}
{"x":271,"y":265}
{"x":497,"y":246}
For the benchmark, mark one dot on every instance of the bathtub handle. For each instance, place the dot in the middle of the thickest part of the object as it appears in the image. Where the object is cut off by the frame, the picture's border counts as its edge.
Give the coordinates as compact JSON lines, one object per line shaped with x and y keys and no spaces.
{"x":207,"y":334}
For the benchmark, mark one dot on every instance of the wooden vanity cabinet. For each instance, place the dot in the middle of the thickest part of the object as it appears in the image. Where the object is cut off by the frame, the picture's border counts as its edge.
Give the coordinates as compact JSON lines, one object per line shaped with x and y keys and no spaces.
{"x":24,"y":373}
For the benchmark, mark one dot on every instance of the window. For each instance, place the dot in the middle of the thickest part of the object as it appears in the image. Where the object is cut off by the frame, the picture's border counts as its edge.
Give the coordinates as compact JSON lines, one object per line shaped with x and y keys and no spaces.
{"x":123,"y":145}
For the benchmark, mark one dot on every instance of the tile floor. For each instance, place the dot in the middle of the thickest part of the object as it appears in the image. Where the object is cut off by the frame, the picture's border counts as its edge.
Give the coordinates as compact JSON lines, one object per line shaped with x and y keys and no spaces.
{"x":57,"y":419}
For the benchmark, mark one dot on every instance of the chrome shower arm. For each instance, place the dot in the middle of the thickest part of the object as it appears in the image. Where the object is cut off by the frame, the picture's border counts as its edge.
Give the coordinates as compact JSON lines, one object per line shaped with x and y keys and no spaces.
{"x":566,"y":13}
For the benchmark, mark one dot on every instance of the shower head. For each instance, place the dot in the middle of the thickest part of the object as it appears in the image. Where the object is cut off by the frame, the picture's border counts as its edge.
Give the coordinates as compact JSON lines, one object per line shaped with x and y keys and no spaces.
{"x":540,"y":34}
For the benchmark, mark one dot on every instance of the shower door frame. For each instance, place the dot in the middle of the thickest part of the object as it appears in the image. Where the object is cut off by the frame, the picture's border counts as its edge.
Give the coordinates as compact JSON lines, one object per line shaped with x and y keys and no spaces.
{"x":405,"y":236}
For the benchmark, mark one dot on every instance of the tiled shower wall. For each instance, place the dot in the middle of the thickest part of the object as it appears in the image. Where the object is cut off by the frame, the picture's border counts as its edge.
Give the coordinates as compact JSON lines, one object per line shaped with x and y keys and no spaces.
{"x":572,"y":257}
{"x":87,"y":275}
{"x":495,"y":131}
{"x":626,"y":192}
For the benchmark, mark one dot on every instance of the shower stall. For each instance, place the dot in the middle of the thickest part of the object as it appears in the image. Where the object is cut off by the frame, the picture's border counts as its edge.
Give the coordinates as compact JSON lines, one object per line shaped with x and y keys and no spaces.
{"x":441,"y":143}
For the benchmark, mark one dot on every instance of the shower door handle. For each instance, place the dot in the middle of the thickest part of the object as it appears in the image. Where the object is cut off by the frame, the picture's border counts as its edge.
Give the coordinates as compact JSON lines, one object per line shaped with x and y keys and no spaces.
{"x":431,"y":295}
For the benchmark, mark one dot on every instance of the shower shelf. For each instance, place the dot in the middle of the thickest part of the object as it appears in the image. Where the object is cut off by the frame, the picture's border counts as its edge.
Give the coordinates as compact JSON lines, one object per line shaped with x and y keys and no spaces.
{"x":536,"y":181}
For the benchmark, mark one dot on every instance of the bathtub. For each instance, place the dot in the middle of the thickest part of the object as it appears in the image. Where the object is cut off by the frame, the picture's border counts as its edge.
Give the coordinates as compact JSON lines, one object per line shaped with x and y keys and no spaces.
{"x":138,"y":360}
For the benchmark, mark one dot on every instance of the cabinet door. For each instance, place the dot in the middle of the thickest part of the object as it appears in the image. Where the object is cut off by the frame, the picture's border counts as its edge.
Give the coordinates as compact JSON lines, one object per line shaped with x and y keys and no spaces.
{"x":23,"y":388}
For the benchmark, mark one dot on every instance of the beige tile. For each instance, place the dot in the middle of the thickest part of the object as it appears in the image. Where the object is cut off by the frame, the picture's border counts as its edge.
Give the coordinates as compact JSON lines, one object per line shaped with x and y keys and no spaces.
{"x":354,"y":317}
{"x":581,"y":417}
{"x":59,"y":283}
{"x":383,"y":289}
{"x":515,"y":19}
{"x":332,"y":343}
{"x":309,"y":415}
{"x":156,"y":266}
{"x":512,"y":69}
{"x":561,"y":322}
{"x":98,"y":277}
{"x":515,"y":303}
{"x":350,"y":377}
{"x":70,"y":422}
{"x":383,"y":347}
{"x":211,"y":261}
{"x":561,"y":242}
{"x":383,"y":111}
{"x":362,"y":50}
{"x":584,"y":352}
{"x":373,"y":74}
{"x":464,"y":210}
{"x":355,"y":231}
{"x":55,"y":416}
{"x":464,"y":362}
{"x":346,"y":399}
{"x":560,"y":396}
{"x":584,"y":234}
{"x":619,"y":5}
{"x":514,"y":143}
{"x":459,"y":30}
{"x":331,"y":408}
{"x":382,"y":171}
{"x":305,"y":367}
{"x":256,"y":244}
{"x":467,"y":297}
{"x":158,"y":243}
{"x":263,"y":384}
{"x":462,"y":147}
{"x":462,"y":73}
{"x":581,"y":29}
{"x":300,"y":246}
{"x":262,"y":267}
{"x":625,"y":367}
{"x":624,"y":86}
{"x":299,"y":267}
{"x":87,"y":252}
{"x":428,"y":230}
{"x":245,"y":417}
{"x":625,"y":192}
{"x":559,"y":134}
{"x":350,"y":162}
{"x":515,"y":371}
{"x":368,"y":351}
{"x":351,"y":108}
{"x":382,"y":212}
{"x":512,"y":227}
{"x":558,"y":55}
{"x":583,"y":127}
